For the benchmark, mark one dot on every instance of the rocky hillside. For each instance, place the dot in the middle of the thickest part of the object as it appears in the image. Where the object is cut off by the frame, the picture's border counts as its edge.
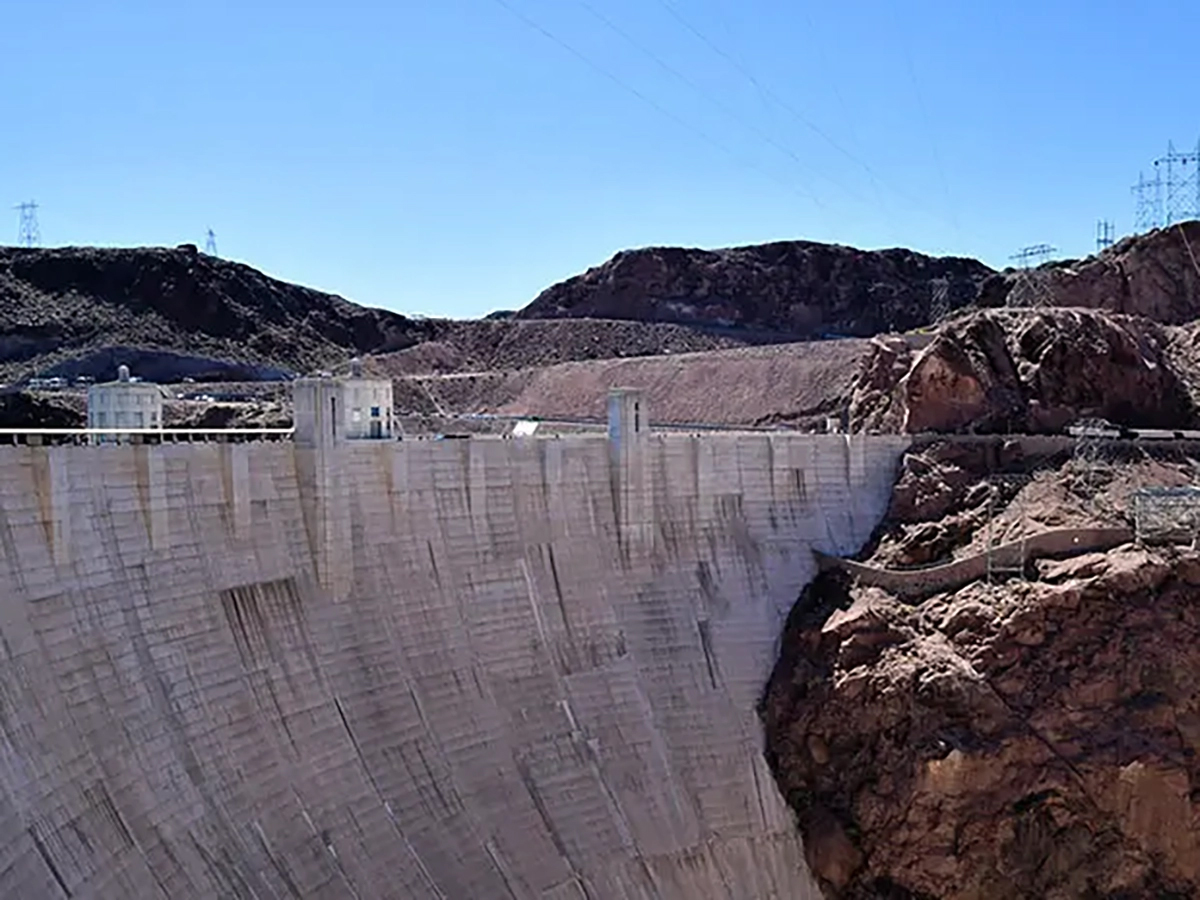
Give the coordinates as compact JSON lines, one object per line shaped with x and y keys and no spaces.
{"x":1154,"y":275}
{"x":1030,"y":739}
{"x":799,"y":289}
{"x":1030,"y":371}
{"x":174,"y":312}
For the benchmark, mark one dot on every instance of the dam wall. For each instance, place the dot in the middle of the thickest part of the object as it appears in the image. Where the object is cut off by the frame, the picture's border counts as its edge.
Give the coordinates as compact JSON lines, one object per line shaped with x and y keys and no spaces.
{"x":443,"y":670}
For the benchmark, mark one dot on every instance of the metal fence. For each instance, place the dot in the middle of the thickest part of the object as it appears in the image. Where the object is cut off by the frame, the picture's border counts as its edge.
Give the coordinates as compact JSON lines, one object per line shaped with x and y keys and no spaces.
{"x":1166,"y":514}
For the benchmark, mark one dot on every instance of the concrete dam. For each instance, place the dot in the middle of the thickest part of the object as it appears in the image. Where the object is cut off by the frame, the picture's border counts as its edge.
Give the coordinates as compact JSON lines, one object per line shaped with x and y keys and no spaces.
{"x":505,"y":669}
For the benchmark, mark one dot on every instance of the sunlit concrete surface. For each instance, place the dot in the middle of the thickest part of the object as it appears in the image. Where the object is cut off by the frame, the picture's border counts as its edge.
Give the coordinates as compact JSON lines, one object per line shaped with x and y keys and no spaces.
{"x":452,"y":670}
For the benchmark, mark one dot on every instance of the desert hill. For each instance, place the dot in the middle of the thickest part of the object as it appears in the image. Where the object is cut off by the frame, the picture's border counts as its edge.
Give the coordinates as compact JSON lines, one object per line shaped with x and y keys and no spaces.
{"x":799,"y":288}
{"x":1115,"y":335}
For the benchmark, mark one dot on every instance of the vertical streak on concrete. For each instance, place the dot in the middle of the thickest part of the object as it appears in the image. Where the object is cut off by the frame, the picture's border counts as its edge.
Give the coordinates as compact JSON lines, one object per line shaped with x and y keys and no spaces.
{"x":52,"y":482}
{"x":477,"y":480}
{"x":152,"y":493}
{"x":306,"y":484}
{"x":235,"y":475}
{"x":327,"y":513}
{"x":628,"y":437}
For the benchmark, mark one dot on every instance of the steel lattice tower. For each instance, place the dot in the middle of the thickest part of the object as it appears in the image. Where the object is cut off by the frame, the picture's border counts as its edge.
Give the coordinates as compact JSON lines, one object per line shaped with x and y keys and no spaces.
{"x":1181,"y":187}
{"x":1104,"y":234}
{"x":1147,"y":195}
{"x":1173,"y":194}
{"x":1035,"y":290}
{"x":1036,"y":255}
{"x":28,"y":233}
{"x":210,"y":243}
{"x":939,"y":303}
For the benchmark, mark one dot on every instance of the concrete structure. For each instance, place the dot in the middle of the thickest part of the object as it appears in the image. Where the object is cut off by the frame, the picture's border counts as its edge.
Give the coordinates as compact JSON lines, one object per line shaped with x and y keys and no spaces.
{"x":912,"y":583}
{"x":123,"y":404}
{"x":446,"y":670}
{"x":330,"y":410}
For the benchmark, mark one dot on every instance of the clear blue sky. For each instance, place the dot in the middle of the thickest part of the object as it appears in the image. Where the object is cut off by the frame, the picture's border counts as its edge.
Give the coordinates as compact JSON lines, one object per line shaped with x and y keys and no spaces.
{"x":446,"y":157}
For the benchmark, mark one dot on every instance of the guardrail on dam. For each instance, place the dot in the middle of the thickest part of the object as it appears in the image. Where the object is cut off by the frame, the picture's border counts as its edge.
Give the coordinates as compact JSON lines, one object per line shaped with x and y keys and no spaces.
{"x":447,"y":670}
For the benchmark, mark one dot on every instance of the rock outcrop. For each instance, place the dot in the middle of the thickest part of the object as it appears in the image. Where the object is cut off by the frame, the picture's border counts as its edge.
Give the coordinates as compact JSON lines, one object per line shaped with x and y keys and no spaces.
{"x":1039,"y":741}
{"x":797,"y":288}
{"x":1034,"y":738}
{"x":1154,"y":275}
{"x":1025,"y":371}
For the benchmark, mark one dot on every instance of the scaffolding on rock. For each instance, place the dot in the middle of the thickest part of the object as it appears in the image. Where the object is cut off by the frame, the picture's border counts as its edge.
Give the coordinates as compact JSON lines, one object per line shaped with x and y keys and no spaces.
{"x":1092,"y":463}
{"x":1006,"y":533}
{"x":1167,"y":515}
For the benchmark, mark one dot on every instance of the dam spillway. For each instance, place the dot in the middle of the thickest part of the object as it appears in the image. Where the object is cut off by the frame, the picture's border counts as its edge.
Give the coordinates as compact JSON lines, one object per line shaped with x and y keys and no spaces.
{"x":451,"y":670}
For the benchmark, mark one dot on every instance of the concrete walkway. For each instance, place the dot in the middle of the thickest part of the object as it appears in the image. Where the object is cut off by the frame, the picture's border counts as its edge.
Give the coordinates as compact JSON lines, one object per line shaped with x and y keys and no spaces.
{"x":935,"y":579}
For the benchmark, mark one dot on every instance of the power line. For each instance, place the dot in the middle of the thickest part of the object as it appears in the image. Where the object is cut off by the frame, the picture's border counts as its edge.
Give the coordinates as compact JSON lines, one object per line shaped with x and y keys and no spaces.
{"x":823,"y":58}
{"x":937,"y":157}
{"x":788,"y":108}
{"x":28,"y":232}
{"x":1039,"y":252}
{"x":624,"y":85}
{"x":675,"y":73}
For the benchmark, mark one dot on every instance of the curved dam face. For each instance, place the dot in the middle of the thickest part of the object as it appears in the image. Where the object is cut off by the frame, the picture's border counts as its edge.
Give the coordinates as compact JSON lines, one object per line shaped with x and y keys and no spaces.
{"x":448,"y":670}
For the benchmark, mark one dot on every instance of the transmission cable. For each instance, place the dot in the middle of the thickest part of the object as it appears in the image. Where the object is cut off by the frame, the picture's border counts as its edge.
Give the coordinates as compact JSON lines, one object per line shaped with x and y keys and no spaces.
{"x":732,"y":113}
{"x":624,"y":85}
{"x":787,"y":107}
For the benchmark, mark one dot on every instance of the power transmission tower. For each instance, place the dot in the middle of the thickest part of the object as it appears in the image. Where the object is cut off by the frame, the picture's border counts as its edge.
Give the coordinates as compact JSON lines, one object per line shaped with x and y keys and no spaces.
{"x":28,"y":233}
{"x":1147,"y":195}
{"x":939,"y":303}
{"x":1033,"y":288}
{"x":1036,"y":252}
{"x":1104,"y":234}
{"x":210,"y":243}
{"x":1181,"y":186}
{"x":1173,"y":194}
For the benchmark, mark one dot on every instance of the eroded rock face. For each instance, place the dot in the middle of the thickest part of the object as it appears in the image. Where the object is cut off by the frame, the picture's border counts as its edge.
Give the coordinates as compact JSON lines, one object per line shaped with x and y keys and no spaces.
{"x":1027,"y":371}
{"x":1154,"y":275}
{"x":1039,"y":740}
{"x":798,"y":288}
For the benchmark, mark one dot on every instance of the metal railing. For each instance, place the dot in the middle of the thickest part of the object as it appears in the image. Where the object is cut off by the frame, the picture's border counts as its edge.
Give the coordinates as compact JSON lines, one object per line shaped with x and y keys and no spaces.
{"x":55,"y":436}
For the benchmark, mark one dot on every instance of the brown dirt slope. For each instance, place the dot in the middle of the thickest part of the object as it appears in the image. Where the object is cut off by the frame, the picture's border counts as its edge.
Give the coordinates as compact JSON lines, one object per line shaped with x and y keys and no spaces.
{"x":794,"y":384}
{"x":798,"y":288}
{"x":485,"y":345}
{"x":1027,"y":739}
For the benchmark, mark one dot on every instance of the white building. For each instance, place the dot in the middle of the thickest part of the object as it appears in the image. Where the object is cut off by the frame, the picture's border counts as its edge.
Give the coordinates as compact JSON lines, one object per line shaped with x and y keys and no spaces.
{"x":124,"y":403}
{"x":331,"y":410}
